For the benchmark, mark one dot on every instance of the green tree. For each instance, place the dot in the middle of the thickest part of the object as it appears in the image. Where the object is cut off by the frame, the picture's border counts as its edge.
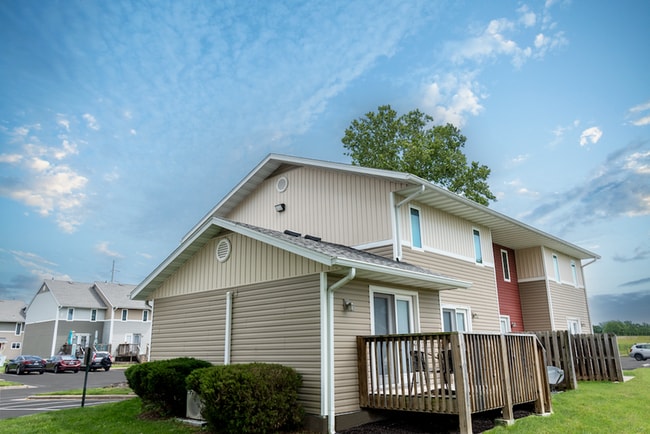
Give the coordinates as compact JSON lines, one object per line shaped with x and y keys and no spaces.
{"x":410,"y":143}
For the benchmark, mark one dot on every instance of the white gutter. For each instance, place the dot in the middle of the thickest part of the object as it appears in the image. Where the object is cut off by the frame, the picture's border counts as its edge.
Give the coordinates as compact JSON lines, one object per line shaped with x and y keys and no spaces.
{"x":397,"y":251}
{"x":328,"y":405}
{"x":228,"y":336}
{"x":56,"y":330}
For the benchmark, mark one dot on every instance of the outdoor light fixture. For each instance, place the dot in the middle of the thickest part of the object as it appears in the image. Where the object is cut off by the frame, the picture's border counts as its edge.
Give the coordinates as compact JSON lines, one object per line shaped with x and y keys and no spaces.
{"x":348,"y":305}
{"x":280,"y":207}
{"x":513,"y":324}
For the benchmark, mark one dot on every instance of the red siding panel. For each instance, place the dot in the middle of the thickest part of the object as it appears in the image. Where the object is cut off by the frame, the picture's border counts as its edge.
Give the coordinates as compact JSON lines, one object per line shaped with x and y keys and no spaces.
{"x":509,"y":298}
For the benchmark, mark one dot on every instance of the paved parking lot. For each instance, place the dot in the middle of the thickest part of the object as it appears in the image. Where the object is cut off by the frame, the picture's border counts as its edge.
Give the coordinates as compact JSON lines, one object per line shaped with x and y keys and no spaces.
{"x":18,"y":401}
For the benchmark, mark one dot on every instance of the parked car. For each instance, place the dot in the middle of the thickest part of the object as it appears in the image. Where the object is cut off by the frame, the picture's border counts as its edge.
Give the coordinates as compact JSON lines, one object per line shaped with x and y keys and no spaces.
{"x":25,"y":364}
{"x":62,"y":363}
{"x":640,"y":351}
{"x":101,"y":360}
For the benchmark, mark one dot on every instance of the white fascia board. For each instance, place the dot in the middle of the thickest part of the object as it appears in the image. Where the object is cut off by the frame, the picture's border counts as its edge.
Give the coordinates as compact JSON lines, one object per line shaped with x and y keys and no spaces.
{"x":442,"y":280}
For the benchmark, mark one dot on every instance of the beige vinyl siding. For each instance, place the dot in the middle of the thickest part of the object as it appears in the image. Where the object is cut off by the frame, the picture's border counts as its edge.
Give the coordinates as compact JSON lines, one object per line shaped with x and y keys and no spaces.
{"x":535,"y":305}
{"x":272,"y":322}
{"x":569,"y":302}
{"x":564,"y":262}
{"x":314,"y":199}
{"x":530,"y":264}
{"x":37,"y":339}
{"x":250,"y":262}
{"x":442,"y":232}
{"x":191,"y":325}
{"x":481,"y":297}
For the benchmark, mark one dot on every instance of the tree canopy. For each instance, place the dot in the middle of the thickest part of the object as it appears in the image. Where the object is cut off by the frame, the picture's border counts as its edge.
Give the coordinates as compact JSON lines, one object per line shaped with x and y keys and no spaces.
{"x":411,"y":143}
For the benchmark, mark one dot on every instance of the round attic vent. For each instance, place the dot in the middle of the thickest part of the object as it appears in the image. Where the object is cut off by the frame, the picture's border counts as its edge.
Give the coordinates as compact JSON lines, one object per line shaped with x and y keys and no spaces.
{"x":282,"y":184}
{"x":223,"y":250}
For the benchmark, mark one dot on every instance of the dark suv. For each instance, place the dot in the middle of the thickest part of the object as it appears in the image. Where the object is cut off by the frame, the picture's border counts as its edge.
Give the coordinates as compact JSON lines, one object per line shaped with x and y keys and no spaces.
{"x":101,"y":360}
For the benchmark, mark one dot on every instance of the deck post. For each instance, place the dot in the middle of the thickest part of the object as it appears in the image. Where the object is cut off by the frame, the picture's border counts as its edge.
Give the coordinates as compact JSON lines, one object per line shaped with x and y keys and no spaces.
{"x":362,"y":371}
{"x":459,"y":361}
{"x":506,"y":385}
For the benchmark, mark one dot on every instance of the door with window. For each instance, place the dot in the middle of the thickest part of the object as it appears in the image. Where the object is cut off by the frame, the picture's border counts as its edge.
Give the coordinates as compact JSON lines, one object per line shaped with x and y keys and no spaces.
{"x":574,"y":326}
{"x":394,"y":313}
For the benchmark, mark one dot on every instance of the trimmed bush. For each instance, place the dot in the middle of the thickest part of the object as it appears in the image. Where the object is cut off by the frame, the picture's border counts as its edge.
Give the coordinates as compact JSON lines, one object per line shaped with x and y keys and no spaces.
{"x":161,"y":384}
{"x":247,"y":398}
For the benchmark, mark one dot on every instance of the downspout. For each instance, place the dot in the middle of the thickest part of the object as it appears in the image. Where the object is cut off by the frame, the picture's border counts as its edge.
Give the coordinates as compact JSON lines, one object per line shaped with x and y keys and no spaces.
{"x":228,"y":336}
{"x":330,"y":407}
{"x":548,"y":290}
{"x":584,"y":288}
{"x":56,"y":330}
{"x":110,"y":328}
{"x":397,"y":251}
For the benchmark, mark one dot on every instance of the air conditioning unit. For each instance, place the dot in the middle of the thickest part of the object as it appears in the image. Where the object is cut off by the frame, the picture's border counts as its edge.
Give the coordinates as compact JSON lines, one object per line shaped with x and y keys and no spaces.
{"x":194,"y":406}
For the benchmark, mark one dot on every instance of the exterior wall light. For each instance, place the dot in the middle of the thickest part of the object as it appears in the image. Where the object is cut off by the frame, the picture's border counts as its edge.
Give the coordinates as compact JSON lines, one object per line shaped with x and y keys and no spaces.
{"x":280,"y":207}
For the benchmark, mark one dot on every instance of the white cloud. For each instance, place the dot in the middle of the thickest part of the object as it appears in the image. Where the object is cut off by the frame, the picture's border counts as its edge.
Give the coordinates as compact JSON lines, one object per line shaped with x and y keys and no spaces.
{"x":67,"y":148}
{"x":38,"y":266}
{"x":451,"y":99}
{"x":590,"y":135}
{"x":65,"y":123}
{"x":637,"y":111}
{"x":10,"y":158}
{"x":91,"y":121}
{"x":638,"y":162}
{"x":102,"y":247}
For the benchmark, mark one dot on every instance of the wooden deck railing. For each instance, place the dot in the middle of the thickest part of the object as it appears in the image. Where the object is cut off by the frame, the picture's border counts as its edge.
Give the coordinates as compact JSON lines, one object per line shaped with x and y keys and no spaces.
{"x":452,"y":373}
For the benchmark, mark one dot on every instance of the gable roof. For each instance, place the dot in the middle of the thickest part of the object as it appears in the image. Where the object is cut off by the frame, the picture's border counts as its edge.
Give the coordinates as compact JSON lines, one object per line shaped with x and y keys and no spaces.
{"x":12,"y":311}
{"x":505,"y":230}
{"x":340,"y":258}
{"x":73,"y":294}
{"x":117,"y":295}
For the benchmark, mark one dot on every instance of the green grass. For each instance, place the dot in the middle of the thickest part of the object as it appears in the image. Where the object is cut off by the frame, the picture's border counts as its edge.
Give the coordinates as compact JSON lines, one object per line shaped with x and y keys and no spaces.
{"x":625,"y":342}
{"x":4,"y":383}
{"x":595,"y":407}
{"x":108,"y":390}
{"x":119,"y":417}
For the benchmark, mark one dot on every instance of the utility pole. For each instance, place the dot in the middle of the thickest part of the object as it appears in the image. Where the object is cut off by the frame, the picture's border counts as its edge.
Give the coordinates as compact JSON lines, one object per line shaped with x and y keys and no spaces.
{"x":113,"y":272}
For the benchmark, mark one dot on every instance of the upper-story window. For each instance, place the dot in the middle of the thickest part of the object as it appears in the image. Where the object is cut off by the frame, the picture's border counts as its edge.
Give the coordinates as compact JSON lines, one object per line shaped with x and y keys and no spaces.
{"x":145,"y":315}
{"x":556,"y":267}
{"x":574,"y":273}
{"x":93,"y":315}
{"x":478,"y":253}
{"x":505,"y":265}
{"x":19,"y":328}
{"x":70,"y":314}
{"x":125,"y":314}
{"x":416,"y":231}
{"x":455,"y":319}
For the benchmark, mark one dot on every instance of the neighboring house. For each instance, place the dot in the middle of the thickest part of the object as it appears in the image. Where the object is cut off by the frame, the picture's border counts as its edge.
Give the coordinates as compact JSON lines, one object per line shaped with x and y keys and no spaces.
{"x":303,"y":256}
{"x":98,"y":315}
{"x":12,"y":326}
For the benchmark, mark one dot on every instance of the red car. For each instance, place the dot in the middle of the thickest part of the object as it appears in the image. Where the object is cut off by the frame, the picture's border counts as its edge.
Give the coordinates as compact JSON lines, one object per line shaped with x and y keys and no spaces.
{"x":62,"y":363}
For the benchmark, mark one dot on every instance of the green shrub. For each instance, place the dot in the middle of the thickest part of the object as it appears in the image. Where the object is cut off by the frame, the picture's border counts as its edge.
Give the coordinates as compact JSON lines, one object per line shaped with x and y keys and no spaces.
{"x":161,"y":384}
{"x":248,"y":398}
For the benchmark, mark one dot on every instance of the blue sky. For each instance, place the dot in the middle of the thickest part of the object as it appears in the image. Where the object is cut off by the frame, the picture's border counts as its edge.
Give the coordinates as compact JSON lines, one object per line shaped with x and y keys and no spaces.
{"x":123,"y":123}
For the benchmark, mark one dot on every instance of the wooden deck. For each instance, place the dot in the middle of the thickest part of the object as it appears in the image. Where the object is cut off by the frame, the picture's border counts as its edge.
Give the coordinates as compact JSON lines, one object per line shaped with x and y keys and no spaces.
{"x":452,"y":373}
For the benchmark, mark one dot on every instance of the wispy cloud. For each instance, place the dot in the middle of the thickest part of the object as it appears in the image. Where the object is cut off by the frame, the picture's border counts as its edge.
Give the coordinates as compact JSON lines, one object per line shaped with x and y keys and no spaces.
{"x":37,"y":265}
{"x":102,"y":247}
{"x":91,"y":122}
{"x":617,"y":188}
{"x":639,"y":114}
{"x":639,"y":254}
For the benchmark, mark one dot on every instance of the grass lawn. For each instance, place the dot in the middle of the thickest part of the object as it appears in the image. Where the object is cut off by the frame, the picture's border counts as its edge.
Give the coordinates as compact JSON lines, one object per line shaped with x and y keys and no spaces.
{"x":595,"y":407}
{"x":625,"y":342}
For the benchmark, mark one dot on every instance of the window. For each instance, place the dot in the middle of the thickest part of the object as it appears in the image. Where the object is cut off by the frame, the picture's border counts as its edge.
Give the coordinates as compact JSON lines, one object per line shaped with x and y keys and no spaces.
{"x":416,"y":233}
{"x":19,"y":328}
{"x":574,"y":273}
{"x":556,"y":267}
{"x":505,"y":265}
{"x":15,"y":345}
{"x":394,"y":312}
{"x":145,"y":315}
{"x":125,"y":314}
{"x":574,"y":326}
{"x":504,"y":322}
{"x":478,"y":254}
{"x":93,"y":315}
{"x":70,"y":314}
{"x":454,"y":319}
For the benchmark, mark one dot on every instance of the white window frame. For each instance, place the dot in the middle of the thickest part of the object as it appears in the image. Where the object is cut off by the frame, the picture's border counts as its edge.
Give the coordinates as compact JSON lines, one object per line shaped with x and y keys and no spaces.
{"x":419,"y":227}
{"x":556,"y":267}
{"x":15,"y":345}
{"x":466,"y":310}
{"x":478,"y":248}
{"x":19,"y":328}
{"x":125,"y":315}
{"x":505,"y":265}
{"x":574,"y":273}
{"x":70,"y":314}
{"x":145,"y":315}
{"x":505,"y":320}
{"x":398,"y":294}
{"x":576,"y":322}
{"x":93,"y":311}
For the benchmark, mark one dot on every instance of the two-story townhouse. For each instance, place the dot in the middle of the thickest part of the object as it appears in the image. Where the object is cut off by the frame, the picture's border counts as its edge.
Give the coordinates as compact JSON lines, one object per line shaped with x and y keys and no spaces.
{"x":82,"y":315}
{"x":303,"y":255}
{"x":12,"y":325}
